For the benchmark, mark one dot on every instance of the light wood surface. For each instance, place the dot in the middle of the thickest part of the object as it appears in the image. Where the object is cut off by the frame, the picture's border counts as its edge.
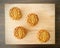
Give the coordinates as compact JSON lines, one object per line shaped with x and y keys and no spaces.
{"x":2,"y":23}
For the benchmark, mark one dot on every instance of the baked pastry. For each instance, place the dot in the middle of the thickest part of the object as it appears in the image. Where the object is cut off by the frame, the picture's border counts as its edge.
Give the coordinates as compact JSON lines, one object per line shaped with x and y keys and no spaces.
{"x":15,"y":13}
{"x":20,"y":32}
{"x":32,"y":19}
{"x":43,"y":35}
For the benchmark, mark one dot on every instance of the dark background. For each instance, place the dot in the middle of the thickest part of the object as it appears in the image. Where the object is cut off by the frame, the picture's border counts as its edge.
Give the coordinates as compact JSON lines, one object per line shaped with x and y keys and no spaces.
{"x":2,"y":24}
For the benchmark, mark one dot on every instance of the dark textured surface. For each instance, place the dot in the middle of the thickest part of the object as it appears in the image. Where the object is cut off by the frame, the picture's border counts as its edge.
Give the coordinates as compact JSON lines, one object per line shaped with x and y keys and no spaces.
{"x":2,"y":24}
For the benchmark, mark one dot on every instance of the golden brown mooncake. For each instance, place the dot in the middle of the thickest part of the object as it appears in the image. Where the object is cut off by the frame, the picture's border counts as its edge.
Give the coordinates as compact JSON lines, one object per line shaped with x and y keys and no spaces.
{"x":32,"y":19}
{"x":20,"y":32}
{"x":43,"y":35}
{"x":15,"y":13}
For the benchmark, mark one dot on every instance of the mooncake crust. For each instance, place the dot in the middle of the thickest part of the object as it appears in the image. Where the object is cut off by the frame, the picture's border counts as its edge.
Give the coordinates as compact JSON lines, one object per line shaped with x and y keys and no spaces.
{"x":15,"y":13}
{"x":20,"y":32}
{"x":32,"y":19}
{"x":43,"y":35}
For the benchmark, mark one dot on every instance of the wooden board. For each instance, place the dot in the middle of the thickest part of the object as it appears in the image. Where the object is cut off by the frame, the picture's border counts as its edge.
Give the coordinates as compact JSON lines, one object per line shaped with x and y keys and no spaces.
{"x":2,"y":23}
